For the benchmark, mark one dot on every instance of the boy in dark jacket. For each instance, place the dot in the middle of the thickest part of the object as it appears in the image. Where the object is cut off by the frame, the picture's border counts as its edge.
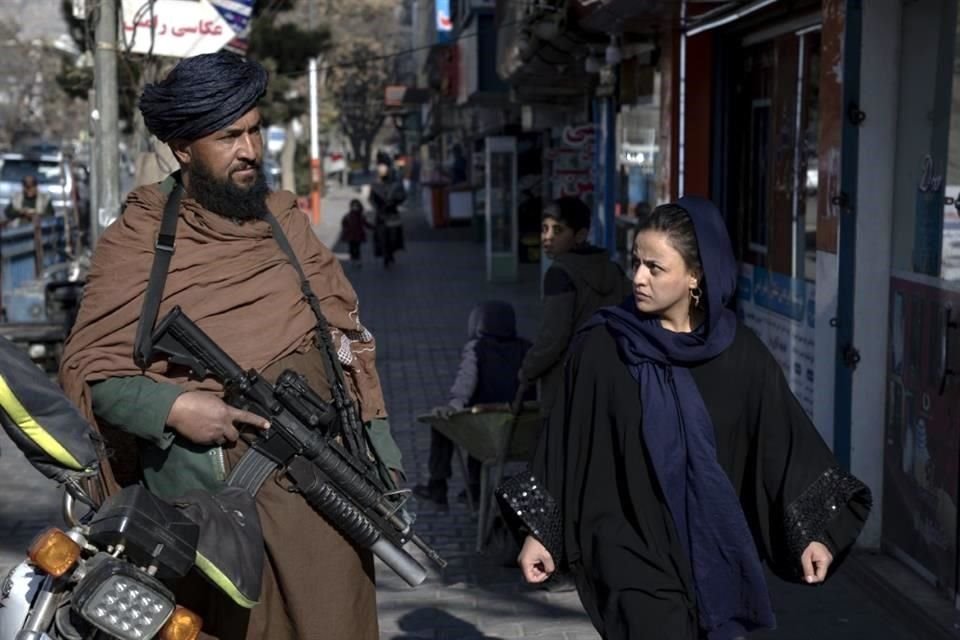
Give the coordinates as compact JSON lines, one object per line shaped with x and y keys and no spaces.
{"x":581,"y":280}
{"x":488,"y":374}
{"x":354,"y":230}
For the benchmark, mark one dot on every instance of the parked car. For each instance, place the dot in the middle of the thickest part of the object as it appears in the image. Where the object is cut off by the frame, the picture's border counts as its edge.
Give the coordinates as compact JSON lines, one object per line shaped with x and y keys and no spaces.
{"x":54,"y":177}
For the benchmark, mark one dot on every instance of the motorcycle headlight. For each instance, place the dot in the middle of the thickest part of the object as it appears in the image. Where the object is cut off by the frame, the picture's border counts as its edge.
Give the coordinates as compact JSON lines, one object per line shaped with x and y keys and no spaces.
{"x":121,"y":600}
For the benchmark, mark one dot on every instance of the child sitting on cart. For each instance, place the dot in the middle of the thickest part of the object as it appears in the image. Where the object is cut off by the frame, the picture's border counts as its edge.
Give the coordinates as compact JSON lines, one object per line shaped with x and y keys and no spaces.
{"x":487,"y":374}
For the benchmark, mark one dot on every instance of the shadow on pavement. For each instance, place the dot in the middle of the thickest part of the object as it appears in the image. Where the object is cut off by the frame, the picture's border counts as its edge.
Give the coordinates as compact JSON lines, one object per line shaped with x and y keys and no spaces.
{"x":434,"y":623}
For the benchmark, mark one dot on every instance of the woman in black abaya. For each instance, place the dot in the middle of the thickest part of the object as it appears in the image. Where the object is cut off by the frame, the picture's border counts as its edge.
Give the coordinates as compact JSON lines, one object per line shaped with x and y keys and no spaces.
{"x":679,"y":460}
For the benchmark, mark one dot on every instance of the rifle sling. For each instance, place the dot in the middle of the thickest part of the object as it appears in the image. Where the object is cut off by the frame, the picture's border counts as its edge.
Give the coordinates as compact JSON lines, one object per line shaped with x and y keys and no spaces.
{"x":350,"y":427}
{"x":143,"y":345}
{"x":254,"y":467}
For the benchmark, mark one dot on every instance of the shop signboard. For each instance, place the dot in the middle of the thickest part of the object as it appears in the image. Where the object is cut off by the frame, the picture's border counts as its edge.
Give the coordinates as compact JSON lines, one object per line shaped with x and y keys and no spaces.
{"x":444,"y":22}
{"x":182,"y":28}
{"x":572,"y":158}
{"x":782,"y":310}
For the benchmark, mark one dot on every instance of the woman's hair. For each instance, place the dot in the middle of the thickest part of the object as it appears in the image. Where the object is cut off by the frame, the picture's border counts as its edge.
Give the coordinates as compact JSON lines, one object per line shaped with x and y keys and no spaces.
{"x":356,"y":204}
{"x":675,"y":222}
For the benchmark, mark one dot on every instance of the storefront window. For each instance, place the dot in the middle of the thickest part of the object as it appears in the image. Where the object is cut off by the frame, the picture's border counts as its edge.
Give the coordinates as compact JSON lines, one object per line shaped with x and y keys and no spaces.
{"x":638,"y":153}
{"x":808,"y":166}
{"x":771,"y":187}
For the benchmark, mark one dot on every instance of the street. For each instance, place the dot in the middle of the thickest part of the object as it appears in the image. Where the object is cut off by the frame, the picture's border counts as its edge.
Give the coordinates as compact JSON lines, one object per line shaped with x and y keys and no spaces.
{"x":420,"y":324}
{"x":784,"y":169}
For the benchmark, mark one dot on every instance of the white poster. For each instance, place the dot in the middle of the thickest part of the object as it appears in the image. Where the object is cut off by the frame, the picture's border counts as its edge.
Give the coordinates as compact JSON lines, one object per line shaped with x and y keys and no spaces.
{"x":781,"y":310}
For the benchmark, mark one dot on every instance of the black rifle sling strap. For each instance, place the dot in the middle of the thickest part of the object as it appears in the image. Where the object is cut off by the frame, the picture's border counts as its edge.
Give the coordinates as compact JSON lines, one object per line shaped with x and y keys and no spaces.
{"x":350,"y":424}
{"x":143,"y":344}
{"x":254,"y":466}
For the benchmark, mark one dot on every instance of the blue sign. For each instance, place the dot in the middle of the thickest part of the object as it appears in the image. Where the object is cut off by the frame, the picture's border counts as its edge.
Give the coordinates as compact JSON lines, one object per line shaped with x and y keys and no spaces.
{"x":444,"y":22}
{"x":238,"y":14}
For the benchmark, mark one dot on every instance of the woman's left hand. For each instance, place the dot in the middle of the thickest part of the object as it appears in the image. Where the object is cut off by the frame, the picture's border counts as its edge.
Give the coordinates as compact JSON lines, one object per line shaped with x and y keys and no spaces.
{"x":815,"y":560}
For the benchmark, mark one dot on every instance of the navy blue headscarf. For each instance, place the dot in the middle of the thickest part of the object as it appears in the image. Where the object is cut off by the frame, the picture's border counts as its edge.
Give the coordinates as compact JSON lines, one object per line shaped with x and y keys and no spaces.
{"x":732,"y":595}
{"x":201,"y":95}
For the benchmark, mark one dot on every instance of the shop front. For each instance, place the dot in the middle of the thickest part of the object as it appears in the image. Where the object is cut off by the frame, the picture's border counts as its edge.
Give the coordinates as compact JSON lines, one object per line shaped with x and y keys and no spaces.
{"x":922,"y":452}
{"x":766,"y":144}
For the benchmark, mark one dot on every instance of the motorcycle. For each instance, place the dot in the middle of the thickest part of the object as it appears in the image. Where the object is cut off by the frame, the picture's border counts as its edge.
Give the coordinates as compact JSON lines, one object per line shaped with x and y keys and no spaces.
{"x":103,"y":577}
{"x":112,"y":573}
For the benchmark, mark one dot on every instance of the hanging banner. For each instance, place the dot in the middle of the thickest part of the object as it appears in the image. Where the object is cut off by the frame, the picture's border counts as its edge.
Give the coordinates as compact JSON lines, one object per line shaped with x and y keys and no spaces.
{"x":183,"y":28}
{"x":572,"y":158}
{"x":238,"y":14}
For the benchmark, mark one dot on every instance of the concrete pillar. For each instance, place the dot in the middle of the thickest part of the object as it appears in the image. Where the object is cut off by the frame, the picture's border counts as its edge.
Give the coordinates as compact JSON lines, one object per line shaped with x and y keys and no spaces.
{"x":879,"y":92}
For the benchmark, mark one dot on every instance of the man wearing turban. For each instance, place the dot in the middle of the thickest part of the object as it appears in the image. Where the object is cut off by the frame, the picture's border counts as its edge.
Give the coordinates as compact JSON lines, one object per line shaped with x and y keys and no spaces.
{"x":230,"y":275}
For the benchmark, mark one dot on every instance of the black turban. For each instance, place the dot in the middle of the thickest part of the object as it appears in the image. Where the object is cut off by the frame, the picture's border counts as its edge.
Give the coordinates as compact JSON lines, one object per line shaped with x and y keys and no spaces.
{"x":201,"y":95}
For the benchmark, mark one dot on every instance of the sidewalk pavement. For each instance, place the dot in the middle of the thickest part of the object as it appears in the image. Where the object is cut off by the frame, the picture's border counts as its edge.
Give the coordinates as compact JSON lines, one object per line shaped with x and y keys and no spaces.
{"x":418,"y":310}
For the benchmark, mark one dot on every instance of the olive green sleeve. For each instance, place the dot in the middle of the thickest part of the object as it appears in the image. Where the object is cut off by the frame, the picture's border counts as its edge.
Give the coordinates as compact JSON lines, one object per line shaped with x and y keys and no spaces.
{"x":137,"y":405}
{"x":381,"y":439}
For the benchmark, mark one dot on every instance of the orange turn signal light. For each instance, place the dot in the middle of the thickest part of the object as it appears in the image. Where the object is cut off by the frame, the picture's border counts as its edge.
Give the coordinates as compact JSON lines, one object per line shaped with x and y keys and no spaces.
{"x":182,"y":625}
{"x":54,"y":552}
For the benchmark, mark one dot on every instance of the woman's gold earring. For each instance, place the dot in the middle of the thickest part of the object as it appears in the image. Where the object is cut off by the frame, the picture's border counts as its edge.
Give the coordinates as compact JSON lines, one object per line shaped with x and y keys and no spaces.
{"x":696,"y":294}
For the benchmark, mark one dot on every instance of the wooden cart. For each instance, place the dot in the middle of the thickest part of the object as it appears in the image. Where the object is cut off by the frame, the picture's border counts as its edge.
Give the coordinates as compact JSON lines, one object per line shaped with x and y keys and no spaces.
{"x":494,"y":436}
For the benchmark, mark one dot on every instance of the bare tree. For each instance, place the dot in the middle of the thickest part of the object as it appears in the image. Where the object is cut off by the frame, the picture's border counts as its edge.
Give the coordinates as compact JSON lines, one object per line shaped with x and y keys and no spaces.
{"x":17,"y":80}
{"x":358,"y":87}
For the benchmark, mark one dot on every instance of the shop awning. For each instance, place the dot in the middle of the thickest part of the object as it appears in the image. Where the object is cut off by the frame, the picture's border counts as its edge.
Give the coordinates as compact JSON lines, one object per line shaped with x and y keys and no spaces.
{"x":725,"y":14}
{"x":638,"y":16}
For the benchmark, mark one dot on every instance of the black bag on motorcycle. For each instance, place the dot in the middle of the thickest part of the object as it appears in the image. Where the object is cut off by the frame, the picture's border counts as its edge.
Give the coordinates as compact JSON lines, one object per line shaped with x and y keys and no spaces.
{"x":230,"y":549}
{"x":41,"y":421}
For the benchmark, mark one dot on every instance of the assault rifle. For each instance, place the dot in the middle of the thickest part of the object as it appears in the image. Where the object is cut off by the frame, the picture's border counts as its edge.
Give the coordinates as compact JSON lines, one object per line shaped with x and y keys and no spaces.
{"x":302,"y":440}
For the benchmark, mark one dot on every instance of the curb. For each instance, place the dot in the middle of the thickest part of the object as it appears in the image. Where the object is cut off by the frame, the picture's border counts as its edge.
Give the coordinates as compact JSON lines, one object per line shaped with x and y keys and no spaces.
{"x":942,"y":624}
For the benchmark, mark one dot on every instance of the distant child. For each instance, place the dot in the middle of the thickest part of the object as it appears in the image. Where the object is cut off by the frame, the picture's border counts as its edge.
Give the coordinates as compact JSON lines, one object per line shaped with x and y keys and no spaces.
{"x":487,"y":375}
{"x":355,"y":227}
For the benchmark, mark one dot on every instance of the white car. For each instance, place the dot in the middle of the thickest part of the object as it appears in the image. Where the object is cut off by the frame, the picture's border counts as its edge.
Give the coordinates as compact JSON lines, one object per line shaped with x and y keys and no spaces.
{"x":53,"y":178}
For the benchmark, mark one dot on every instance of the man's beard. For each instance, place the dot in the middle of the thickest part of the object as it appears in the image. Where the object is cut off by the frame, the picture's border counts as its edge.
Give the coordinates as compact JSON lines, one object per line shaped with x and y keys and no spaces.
{"x":225,"y":198}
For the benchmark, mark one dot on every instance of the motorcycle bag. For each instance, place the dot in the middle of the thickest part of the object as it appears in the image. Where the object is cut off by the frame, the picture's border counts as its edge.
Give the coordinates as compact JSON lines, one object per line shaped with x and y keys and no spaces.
{"x":41,"y":421}
{"x":230,"y":549}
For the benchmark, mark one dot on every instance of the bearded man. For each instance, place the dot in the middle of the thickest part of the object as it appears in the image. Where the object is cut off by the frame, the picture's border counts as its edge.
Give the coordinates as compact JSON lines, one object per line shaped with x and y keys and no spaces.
{"x":230,"y":275}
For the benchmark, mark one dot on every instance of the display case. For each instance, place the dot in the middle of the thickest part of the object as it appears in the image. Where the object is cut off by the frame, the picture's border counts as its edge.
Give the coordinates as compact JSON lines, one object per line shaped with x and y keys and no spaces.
{"x":501,"y":208}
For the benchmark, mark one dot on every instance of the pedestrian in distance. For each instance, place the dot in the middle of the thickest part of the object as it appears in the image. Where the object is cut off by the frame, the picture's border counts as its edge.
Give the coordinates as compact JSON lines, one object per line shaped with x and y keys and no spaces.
{"x":230,"y":274}
{"x":29,"y":204}
{"x":386,"y":196}
{"x":580,"y":280}
{"x":354,"y":230}
{"x":487,"y":375}
{"x":677,"y":460}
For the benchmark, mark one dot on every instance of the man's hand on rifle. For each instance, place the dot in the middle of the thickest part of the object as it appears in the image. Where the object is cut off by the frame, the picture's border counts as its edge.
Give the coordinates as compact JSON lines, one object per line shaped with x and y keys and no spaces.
{"x":204,"y":418}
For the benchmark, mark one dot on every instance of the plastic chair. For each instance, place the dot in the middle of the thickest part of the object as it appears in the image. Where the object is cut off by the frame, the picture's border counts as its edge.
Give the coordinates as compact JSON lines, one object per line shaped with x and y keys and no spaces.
{"x":494,"y":436}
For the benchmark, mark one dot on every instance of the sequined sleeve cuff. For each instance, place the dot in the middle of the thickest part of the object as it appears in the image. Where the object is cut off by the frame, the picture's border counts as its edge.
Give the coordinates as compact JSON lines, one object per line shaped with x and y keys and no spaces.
{"x":529,"y":510}
{"x":808,"y":517}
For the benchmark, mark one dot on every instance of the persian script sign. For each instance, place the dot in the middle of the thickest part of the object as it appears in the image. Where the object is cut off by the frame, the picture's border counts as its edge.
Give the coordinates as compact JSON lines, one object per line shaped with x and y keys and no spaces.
{"x":573,"y":158}
{"x":182,"y":28}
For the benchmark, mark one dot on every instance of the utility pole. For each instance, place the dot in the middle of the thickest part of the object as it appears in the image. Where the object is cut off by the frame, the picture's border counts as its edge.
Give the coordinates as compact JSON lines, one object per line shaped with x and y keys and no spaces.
{"x":106,"y":120}
{"x":316,"y":165}
{"x":316,"y":170}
